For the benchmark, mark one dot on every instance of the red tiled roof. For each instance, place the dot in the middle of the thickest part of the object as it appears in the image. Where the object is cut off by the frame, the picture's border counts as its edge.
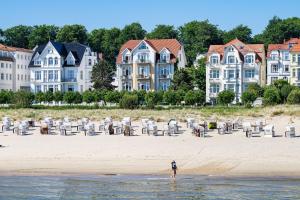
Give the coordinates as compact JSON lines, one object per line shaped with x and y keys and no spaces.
{"x":240,"y":46}
{"x":292,"y":40}
{"x":295,"y":48}
{"x":284,"y":46}
{"x":11,"y":49}
{"x":157,"y":44}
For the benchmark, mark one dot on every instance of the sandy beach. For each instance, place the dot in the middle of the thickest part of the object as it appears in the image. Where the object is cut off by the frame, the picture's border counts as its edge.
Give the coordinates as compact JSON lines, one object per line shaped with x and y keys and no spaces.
{"x":224,"y":155}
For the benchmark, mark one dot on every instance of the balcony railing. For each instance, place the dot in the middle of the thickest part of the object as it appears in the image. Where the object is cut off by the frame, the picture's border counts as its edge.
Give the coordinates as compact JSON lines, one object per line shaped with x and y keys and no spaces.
{"x":143,"y":61}
{"x":126,"y":77}
{"x":163,"y":61}
{"x":70,"y":80}
{"x":143,"y":76}
{"x":165,"y":76}
{"x":126,"y":62}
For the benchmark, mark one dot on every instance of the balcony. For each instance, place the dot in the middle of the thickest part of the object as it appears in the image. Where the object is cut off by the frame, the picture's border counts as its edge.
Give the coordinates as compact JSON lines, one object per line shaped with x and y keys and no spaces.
{"x":143,"y":76}
{"x":163,"y":61}
{"x":251,"y":80}
{"x":141,"y":61}
{"x":126,"y":77}
{"x":126,"y":62}
{"x":249,"y":65}
{"x":210,"y":65}
{"x":214,"y":80}
{"x":165,"y":76}
{"x":70,"y":80}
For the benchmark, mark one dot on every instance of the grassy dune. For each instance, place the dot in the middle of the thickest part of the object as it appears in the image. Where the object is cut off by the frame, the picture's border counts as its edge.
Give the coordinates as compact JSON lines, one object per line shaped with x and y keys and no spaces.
{"x":157,"y":115}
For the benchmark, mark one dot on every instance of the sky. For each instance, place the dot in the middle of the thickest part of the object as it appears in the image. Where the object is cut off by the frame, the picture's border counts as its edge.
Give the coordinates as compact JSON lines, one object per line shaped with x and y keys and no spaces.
{"x":117,"y":13}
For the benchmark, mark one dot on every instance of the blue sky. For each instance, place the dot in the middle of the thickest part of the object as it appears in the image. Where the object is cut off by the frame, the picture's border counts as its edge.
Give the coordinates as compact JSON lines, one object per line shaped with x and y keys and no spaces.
{"x":117,"y":13}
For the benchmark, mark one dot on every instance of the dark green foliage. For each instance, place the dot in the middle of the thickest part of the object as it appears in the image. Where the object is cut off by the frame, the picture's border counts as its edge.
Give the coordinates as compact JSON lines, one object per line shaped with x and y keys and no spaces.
{"x":129,"y":101}
{"x":248,"y":97}
{"x":88,"y":96}
{"x":58,"y":96}
{"x":132,"y":31}
{"x":271,"y":96}
{"x":112,"y":96}
{"x":256,"y":89}
{"x":102,"y":75}
{"x":194,"y":97}
{"x":182,"y":80}
{"x":197,"y":36}
{"x":294,"y":96}
{"x":48,"y":96}
{"x":170,"y":97}
{"x":69,"y":97}
{"x":225,"y":97}
{"x":39,"y":97}
{"x":18,"y":36}
{"x":6,"y":97}
{"x":72,"y":33}
{"x":23,"y":99}
{"x":163,"y":32}
{"x":42,"y":34}
{"x":240,"y":32}
{"x":199,"y":74}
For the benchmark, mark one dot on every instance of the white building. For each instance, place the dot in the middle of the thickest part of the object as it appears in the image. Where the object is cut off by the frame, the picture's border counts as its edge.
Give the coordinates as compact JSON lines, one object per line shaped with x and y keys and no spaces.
{"x":278,"y":60}
{"x":62,"y":67}
{"x":148,"y":64}
{"x":14,"y":72}
{"x":234,"y":66}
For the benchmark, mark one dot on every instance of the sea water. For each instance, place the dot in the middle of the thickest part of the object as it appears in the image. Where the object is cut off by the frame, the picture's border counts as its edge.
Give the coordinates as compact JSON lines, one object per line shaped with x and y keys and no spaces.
{"x":146,"y":187}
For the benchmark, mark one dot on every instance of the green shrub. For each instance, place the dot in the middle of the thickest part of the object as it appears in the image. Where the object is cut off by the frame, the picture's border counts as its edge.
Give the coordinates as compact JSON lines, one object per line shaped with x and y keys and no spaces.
{"x":285,"y":91}
{"x":225,"y":97}
{"x":194,"y":97}
{"x":48,"y":96}
{"x":58,"y":96}
{"x":6,"y":96}
{"x":39,"y":97}
{"x":69,"y":97}
{"x":248,"y":97}
{"x":88,"y":96}
{"x":271,"y":96}
{"x":256,"y":89}
{"x":78,"y":98}
{"x":129,"y":101}
{"x":112,"y":96}
{"x":294,"y":97}
{"x":170,"y":97}
{"x":23,"y":99}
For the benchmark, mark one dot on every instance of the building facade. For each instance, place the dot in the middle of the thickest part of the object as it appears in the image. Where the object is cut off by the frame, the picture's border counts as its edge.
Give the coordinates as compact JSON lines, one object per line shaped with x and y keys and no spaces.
{"x":148,"y":64}
{"x":14,"y":72}
{"x":279,"y":60}
{"x":61,"y":67}
{"x":295,"y":64}
{"x":234,"y":66}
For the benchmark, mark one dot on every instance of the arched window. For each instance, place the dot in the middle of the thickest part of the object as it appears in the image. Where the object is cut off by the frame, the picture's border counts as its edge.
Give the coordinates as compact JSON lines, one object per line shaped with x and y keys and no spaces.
{"x":55,"y":61}
{"x":50,"y":61}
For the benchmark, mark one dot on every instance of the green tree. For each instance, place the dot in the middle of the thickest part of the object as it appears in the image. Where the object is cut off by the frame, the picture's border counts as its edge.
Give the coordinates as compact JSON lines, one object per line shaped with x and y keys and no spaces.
{"x":102,"y":75}
{"x":78,"y":98}
{"x":256,"y":89}
{"x":48,"y":96}
{"x":39,"y":97}
{"x":42,"y":34}
{"x":182,"y":80}
{"x":5,"y":97}
{"x":95,"y":40}
{"x":72,"y":33}
{"x":225,"y":97}
{"x":88,"y":96}
{"x":240,"y":32}
{"x":153,"y":98}
{"x":248,"y":97}
{"x":69,"y":97}
{"x":1,"y":36}
{"x":197,"y":36}
{"x":170,"y":97}
{"x":163,"y":32}
{"x":129,"y":101}
{"x":271,"y":96}
{"x":132,"y":31}
{"x":112,"y":96}
{"x":58,"y":96}
{"x":194,"y":97}
{"x":285,"y":91}
{"x":23,"y":99}
{"x":141,"y":95}
{"x":199,"y":74}
{"x":294,"y":96}
{"x":18,"y":36}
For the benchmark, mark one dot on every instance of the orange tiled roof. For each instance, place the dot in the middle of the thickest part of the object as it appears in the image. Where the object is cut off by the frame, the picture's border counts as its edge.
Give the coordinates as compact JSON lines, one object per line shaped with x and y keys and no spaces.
{"x":157,"y":44}
{"x":292,"y":40}
{"x":296,"y":48}
{"x":240,"y":46}
{"x":11,"y":49}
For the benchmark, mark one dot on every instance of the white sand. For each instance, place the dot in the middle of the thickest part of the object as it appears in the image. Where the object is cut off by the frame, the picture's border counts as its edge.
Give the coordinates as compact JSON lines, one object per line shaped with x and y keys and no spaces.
{"x":104,"y":154}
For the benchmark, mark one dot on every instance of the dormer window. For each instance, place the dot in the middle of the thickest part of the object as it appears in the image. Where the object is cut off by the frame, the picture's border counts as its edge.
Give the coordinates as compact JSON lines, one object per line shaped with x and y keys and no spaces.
{"x":143,"y":46}
{"x":55,"y":61}
{"x":165,"y":57}
{"x":231,"y":59}
{"x":50,"y":61}
{"x":249,"y":59}
{"x":214,"y":60}
{"x":231,"y":49}
{"x":274,"y":56}
{"x":126,"y":58}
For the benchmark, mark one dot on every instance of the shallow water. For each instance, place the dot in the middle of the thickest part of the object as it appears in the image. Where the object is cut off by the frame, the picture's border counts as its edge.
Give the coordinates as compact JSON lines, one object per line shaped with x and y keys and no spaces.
{"x":146,"y":187}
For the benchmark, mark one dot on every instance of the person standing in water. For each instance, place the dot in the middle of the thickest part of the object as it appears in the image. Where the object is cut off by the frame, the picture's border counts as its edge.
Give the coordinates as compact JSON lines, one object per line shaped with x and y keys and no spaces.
{"x":174,"y":168}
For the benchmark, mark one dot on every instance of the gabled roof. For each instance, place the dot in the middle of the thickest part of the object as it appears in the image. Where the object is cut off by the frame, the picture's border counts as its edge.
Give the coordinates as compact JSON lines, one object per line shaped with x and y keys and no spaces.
{"x":241,"y":47}
{"x":157,"y":44}
{"x":13,"y":49}
{"x":63,"y":49}
{"x":284,"y":46}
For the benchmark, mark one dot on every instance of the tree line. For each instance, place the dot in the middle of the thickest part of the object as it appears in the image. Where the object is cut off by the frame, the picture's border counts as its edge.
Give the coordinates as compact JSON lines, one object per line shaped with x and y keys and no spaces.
{"x":196,"y":36}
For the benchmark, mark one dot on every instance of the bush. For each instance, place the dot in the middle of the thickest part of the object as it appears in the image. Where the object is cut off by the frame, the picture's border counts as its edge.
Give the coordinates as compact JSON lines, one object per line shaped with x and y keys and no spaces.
{"x":256,"y":89}
{"x":248,"y":97}
{"x":225,"y":97}
{"x":170,"y":97}
{"x":39,"y":97}
{"x":69,"y":97}
{"x":88,"y":96}
{"x":6,"y":96}
{"x":180,"y":94}
{"x":271,"y":96}
{"x":99,"y":95}
{"x":194,"y":97}
{"x":78,"y":98}
{"x":112,"y":96}
{"x":23,"y":99}
{"x":129,"y":101}
{"x":285,"y":91}
{"x":48,"y":96}
{"x":58,"y":96}
{"x":294,"y":97}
